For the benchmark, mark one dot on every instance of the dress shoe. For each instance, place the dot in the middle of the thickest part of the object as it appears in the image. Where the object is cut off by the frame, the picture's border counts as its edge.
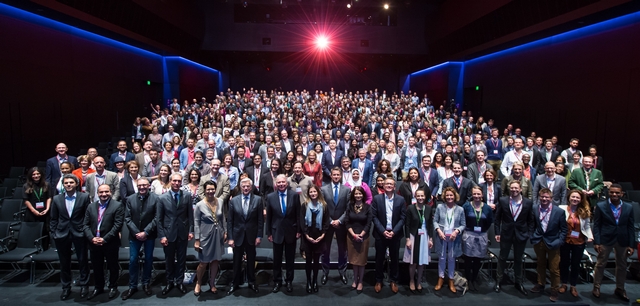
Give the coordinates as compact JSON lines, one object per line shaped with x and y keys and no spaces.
{"x":343,"y":278}
{"x":289,"y":287}
{"x":452,"y":286}
{"x":554,"y":295}
{"x":182,"y":288}
{"x":315,"y":286}
{"x":232,"y":289}
{"x":253,"y":287}
{"x":84,"y":291}
{"x":378,"y":287}
{"x":309,"y":289}
{"x":276,"y":287}
{"x":472,"y":286}
{"x":147,"y":289}
{"x":537,"y":288}
{"x":167,"y":288}
{"x":596,"y":292}
{"x":94,"y":293}
{"x":394,"y":287}
{"x":520,"y":288}
{"x":65,"y":294}
{"x":129,"y":293}
{"x":562,"y":289}
{"x":496,"y":288}
{"x":113,"y":292}
{"x":574,"y":291}
{"x":324,"y":279}
{"x":439,"y":284}
{"x":622,"y":294}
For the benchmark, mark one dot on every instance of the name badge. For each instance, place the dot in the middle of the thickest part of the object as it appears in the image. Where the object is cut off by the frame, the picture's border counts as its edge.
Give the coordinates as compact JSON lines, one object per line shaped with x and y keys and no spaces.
{"x":495,"y":151}
{"x":420,"y":232}
{"x":464,"y":168}
{"x":299,"y":190}
{"x":448,"y":232}
{"x":477,"y":229}
{"x":251,"y":154}
{"x":311,"y":177}
{"x":84,"y":188}
{"x":39,"y":205}
{"x":410,"y":162}
{"x":414,"y":201}
{"x":575,"y":234}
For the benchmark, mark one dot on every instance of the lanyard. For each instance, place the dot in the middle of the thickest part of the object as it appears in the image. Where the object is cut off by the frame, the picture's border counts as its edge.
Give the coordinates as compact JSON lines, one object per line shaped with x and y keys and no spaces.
{"x":515,"y":213}
{"x":38,"y":195}
{"x":478,"y":213}
{"x":450,"y":218}
{"x":546,"y":214}
{"x":421,"y":214}
{"x":100,"y":215}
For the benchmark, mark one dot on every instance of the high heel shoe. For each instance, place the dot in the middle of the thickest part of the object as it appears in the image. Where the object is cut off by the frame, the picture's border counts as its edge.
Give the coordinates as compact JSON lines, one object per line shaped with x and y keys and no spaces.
{"x":419,"y":289}
{"x":197,"y":293}
{"x":439,"y":284}
{"x":358,"y":291}
{"x":414,"y":288}
{"x":309,"y":290}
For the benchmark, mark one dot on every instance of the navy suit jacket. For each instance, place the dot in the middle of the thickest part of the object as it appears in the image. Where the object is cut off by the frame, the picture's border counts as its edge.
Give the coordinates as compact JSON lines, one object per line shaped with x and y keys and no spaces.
{"x":327,"y":164}
{"x":556,"y":228}
{"x":282,"y":228}
{"x":52,"y":171}
{"x":379,"y":211}
{"x":432,"y":180}
{"x":605,"y":229}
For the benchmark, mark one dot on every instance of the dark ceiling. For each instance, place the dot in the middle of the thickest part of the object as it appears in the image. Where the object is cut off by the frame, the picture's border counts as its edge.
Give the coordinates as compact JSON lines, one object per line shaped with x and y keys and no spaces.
{"x":452,"y":30}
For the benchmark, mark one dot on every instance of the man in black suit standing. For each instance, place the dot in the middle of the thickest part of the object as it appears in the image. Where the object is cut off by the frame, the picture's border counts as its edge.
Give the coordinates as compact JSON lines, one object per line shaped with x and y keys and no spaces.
{"x":282,"y":230}
{"x":52,"y":171}
{"x":244,"y":228}
{"x":102,"y":224}
{"x":175,"y":230}
{"x":336,"y":195}
{"x":388,"y":232}
{"x":547,"y":155}
{"x":255,"y":172}
{"x":140,"y":218}
{"x":241,"y":162}
{"x":514,"y":223}
{"x":548,"y":236}
{"x":613,"y":230}
{"x":66,"y":229}
{"x":252,"y":145}
{"x":330,"y":159}
{"x":460,"y":184}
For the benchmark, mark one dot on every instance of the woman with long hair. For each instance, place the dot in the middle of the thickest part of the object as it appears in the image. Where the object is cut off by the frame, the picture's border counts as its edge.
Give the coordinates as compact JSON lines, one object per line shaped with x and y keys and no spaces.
{"x":162,"y":184}
{"x":393,"y":158}
{"x":267,"y":180}
{"x":411,"y":184}
{"x":210,"y":233}
{"x":373,"y":153}
{"x":230,"y":171}
{"x":418,"y":228}
{"x":357,"y":220}
{"x":37,"y":197}
{"x":383,"y":168}
{"x":313,"y":168}
{"x":446,"y":171}
{"x":438,"y":160}
{"x":314,"y":221}
{"x":578,"y":214}
{"x":193,"y":177}
{"x":449,"y":223}
{"x":129,"y":182}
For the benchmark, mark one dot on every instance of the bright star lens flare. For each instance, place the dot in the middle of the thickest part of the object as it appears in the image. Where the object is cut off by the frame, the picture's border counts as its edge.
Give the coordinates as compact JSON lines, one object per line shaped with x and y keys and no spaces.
{"x":322,"y":42}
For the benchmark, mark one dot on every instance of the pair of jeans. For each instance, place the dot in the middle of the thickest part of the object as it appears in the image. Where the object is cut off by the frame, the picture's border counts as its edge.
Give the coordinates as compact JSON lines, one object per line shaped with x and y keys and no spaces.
{"x":134,"y":254}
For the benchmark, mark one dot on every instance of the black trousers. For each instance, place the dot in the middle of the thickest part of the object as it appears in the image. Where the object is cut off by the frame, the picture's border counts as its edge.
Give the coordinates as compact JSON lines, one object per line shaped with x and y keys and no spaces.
{"x":518,"y":252}
{"x":100,"y":253}
{"x":176,"y":250}
{"x":341,"y":239}
{"x":289,"y":250}
{"x":238,"y":251}
{"x":382,"y":245}
{"x":472,"y":267}
{"x":65,"y":252}
{"x":570,"y":257}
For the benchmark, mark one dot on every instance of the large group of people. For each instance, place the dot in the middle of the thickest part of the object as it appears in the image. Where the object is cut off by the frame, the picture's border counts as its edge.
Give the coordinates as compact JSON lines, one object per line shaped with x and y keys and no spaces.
{"x":301,"y":169}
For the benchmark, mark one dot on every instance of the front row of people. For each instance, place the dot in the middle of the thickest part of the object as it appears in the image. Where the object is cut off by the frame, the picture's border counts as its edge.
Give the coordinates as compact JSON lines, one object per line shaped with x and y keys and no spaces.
{"x":559,"y":234}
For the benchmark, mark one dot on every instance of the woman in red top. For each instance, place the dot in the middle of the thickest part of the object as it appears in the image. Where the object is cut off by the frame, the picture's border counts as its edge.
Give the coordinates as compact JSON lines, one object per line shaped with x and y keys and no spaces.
{"x":313,"y":168}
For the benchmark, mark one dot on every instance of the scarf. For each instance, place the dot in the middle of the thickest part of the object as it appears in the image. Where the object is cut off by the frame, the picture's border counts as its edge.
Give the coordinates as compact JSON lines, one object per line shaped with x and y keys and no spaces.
{"x":313,"y":210}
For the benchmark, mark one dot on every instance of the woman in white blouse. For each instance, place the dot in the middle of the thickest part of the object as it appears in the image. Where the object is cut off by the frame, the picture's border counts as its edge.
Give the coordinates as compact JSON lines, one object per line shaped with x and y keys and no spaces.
{"x":445,"y":171}
{"x":392,"y":156}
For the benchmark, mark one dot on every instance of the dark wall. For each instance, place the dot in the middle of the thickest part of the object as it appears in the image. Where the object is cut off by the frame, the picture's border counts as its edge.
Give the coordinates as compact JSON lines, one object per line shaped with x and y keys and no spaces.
{"x":582,"y":85}
{"x":59,"y":85}
{"x":187,"y":80}
{"x":434,"y":82}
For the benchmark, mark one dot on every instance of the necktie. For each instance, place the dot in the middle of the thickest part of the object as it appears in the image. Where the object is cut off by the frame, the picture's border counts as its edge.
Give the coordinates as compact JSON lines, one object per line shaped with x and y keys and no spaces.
{"x":284,"y":206}
{"x":335,"y":195}
{"x":245,"y":206}
{"x":176,"y":196}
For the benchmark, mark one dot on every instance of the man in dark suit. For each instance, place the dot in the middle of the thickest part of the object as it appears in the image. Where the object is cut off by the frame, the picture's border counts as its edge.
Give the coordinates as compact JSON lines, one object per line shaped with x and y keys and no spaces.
{"x":122,"y":152}
{"x":241,"y":162}
{"x":388,"y":232}
{"x":175,"y":229}
{"x":102,"y":224}
{"x":336,"y":195}
{"x":283,"y":230}
{"x":556,"y":183}
{"x":514,"y":223}
{"x":52,"y":171}
{"x":547,"y":155}
{"x":460,"y":184}
{"x":140,"y":217}
{"x":373,"y":127}
{"x":287,"y":144}
{"x":429,"y":176}
{"x":547,"y":237}
{"x":252,"y":145}
{"x":231,"y":149}
{"x":330,"y":159}
{"x":613,"y":230}
{"x":255,"y":172}
{"x":244,"y":228}
{"x":598,"y":162}
{"x":67,"y":230}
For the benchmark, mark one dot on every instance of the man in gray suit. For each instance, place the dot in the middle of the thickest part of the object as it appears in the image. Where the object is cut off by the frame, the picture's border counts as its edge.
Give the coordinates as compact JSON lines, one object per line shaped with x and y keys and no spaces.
{"x":140,"y":217}
{"x":102,"y":176}
{"x":556,"y":183}
{"x":66,"y":229}
{"x":336,"y":195}
{"x":175,"y":229}
{"x":244,"y":229}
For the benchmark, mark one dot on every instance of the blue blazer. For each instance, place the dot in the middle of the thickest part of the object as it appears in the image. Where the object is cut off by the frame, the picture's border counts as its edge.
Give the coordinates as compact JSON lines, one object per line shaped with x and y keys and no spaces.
{"x":379,"y":211}
{"x":327,"y":164}
{"x":367,"y":174}
{"x":556,"y":228}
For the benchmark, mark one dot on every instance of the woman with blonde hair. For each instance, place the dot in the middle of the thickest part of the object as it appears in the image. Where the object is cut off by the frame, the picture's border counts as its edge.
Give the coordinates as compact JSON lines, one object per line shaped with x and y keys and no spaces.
{"x":449,"y":223}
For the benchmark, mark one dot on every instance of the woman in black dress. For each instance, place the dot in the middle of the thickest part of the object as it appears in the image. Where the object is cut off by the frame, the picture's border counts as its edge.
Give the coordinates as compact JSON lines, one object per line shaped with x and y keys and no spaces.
{"x":314,"y":221}
{"x":358,"y":222}
{"x":36,"y":197}
{"x":419,"y":224}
